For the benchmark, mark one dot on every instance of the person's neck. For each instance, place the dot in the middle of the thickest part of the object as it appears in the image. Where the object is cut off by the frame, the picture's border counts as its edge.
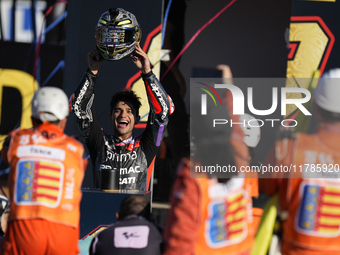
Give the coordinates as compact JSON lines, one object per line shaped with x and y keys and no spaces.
{"x":124,"y":137}
{"x":49,"y":130}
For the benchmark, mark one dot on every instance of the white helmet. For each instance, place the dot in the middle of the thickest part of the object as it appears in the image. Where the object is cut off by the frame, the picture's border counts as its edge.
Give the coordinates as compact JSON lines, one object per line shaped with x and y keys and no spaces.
{"x":252,"y":134}
{"x":327,"y":92}
{"x":50,"y":104}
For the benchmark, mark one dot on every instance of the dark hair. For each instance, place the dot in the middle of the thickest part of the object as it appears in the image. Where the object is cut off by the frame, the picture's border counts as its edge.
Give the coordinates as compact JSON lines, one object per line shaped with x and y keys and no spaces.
{"x":327,"y":116}
{"x":134,"y":205}
{"x":211,"y":143}
{"x":126,"y":96}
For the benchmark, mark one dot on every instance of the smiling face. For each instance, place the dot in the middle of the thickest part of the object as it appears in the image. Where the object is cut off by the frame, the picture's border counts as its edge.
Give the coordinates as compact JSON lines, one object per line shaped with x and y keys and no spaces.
{"x":123,"y":118}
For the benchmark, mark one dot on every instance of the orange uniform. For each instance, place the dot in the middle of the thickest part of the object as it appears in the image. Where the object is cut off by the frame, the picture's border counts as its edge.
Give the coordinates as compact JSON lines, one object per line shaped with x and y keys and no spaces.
{"x":208,"y":217}
{"x":46,"y":173}
{"x":310,"y":195}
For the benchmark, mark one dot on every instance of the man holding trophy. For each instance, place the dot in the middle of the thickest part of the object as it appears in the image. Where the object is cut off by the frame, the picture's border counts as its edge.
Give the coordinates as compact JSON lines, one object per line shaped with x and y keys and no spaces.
{"x":121,"y":161}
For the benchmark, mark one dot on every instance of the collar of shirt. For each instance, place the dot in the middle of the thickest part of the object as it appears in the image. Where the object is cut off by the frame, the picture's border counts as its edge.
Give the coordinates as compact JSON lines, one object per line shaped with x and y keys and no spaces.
{"x":119,"y":142}
{"x":49,"y":130}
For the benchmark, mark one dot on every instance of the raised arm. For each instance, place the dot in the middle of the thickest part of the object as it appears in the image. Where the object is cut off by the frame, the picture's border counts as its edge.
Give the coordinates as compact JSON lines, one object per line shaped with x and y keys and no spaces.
{"x":161,"y":105}
{"x":81,"y":103}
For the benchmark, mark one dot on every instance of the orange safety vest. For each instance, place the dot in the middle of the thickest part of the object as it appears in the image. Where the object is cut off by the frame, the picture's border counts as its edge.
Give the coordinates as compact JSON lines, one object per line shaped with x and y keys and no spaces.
{"x":313,"y":194}
{"x":219,"y":216}
{"x":226,"y":215}
{"x":226,"y":222}
{"x":45,"y":176}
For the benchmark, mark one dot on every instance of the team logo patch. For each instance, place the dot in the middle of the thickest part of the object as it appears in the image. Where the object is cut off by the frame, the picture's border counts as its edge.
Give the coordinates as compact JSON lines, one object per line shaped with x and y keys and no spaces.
{"x":135,"y":237}
{"x":319,"y":214}
{"x":38,"y":182}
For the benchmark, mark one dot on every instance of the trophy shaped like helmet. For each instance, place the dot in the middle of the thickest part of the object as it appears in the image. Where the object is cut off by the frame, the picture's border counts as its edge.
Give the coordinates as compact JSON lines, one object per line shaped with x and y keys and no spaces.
{"x":117,"y":33}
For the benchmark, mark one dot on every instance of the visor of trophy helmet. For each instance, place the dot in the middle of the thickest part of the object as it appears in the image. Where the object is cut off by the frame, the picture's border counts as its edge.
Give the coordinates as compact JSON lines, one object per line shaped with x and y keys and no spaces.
{"x":112,"y":40}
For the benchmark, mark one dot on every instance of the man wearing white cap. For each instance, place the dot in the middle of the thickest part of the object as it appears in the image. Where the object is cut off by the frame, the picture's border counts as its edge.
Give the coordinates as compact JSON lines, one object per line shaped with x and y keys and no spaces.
{"x":309,"y":196}
{"x":46,"y":172}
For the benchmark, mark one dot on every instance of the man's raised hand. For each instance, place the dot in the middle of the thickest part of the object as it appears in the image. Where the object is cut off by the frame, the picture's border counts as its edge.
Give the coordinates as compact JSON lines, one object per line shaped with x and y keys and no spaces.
{"x":141,"y":60}
{"x":94,"y":60}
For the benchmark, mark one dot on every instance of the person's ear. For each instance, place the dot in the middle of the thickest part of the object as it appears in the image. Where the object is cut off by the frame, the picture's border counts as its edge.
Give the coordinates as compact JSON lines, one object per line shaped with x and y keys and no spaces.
{"x":110,"y":118}
{"x":117,"y":215}
{"x":62,"y":124}
{"x":137,"y":120}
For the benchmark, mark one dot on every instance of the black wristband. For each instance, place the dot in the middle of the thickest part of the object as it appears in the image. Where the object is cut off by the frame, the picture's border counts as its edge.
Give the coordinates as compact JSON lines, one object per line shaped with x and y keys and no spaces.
{"x":147,"y":75}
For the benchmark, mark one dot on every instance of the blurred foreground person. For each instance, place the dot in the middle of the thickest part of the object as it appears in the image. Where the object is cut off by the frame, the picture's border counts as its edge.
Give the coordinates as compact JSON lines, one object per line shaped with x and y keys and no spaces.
{"x":133,"y":234}
{"x":211,"y":211}
{"x":46,"y":173}
{"x":309,"y":197}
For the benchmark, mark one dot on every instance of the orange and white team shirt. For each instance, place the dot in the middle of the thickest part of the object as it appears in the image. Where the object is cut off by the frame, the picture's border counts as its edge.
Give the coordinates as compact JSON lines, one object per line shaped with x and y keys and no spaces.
{"x":210,"y":217}
{"x":310,"y":197}
{"x":45,"y":176}
{"x":226,"y":210}
{"x":313,"y":200}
